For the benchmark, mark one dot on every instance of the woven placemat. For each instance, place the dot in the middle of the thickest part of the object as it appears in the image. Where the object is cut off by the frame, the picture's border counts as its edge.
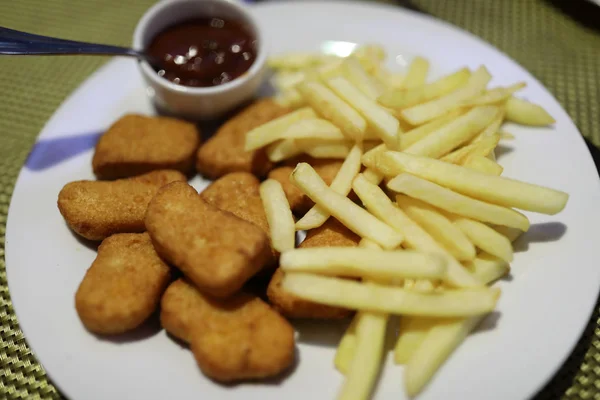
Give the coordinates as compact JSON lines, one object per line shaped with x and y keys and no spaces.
{"x":556,"y":40}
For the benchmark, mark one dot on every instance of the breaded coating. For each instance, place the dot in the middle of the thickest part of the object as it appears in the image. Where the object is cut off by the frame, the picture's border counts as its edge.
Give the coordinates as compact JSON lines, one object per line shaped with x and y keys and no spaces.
{"x":238,"y":193}
{"x":224,"y":152}
{"x":215,"y":249}
{"x":123,"y":286}
{"x":238,"y":338}
{"x":137,"y":144}
{"x":331,"y":234}
{"x":98,"y":209}
{"x":299,"y":202}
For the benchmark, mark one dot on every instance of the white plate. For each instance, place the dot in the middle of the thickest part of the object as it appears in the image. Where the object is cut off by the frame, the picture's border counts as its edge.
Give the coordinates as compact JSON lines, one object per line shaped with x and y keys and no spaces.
{"x":542,"y":312}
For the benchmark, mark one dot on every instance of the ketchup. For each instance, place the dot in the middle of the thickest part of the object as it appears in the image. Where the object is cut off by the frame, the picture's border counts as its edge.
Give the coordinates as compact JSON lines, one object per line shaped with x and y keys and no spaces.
{"x":203,"y":52}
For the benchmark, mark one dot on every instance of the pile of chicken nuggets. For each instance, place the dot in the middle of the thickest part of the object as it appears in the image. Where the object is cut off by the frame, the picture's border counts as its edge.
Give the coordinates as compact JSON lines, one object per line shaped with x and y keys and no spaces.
{"x":165,"y":247}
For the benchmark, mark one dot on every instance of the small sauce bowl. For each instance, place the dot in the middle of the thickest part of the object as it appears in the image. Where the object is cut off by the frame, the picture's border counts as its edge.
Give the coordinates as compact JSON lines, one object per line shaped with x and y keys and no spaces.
{"x":198,"y":103}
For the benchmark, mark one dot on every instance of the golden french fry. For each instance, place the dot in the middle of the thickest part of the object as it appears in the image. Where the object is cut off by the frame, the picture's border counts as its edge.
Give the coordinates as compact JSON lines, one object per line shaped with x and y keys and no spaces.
{"x":387,"y":78}
{"x":439,"y":227}
{"x":439,"y":342}
{"x":492,"y":128}
{"x":511,"y":234}
{"x":452,"y":135}
{"x":279,"y":215}
{"x":343,"y":209}
{"x":494,"y":96}
{"x":347,"y":347}
{"x":417,"y":73}
{"x":282,"y":150}
{"x":333,"y":108}
{"x":484,"y":237}
{"x":285,"y":80}
{"x":325,"y":148}
{"x":379,"y":204}
{"x":494,"y":189}
{"x":383,"y":123}
{"x":526,"y":113}
{"x":373,"y":176}
{"x":379,"y":298}
{"x":414,"y":135}
{"x":403,"y":98}
{"x":488,"y":268}
{"x":411,"y":332}
{"x":356,"y":75}
{"x":342,"y":183}
{"x":369,"y":56}
{"x":297,"y":61}
{"x":424,"y":112}
{"x":272,"y":131}
{"x":313,"y":128}
{"x":379,"y":265}
{"x":481,"y":148}
{"x":457,"y":203}
{"x":483,"y":164}
{"x":368,"y":355}
{"x":290,"y":98}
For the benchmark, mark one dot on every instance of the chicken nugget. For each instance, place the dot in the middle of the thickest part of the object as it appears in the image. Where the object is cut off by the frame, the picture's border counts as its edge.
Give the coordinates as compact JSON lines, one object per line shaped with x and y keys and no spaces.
{"x":224,"y":152}
{"x":137,"y":144}
{"x":232,"y":339}
{"x":238,"y":193}
{"x":331,"y":234}
{"x":215,"y":249}
{"x":299,"y":202}
{"x":98,"y":209}
{"x":123,"y":286}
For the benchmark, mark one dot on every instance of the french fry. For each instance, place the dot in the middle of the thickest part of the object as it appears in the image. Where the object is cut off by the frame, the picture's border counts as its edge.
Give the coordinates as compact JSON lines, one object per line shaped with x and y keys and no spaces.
{"x":450,"y":136}
{"x":297,"y":61}
{"x":343,"y":209}
{"x":346,"y":349}
{"x":424,"y":112}
{"x":368,"y":354}
{"x":285,"y":80}
{"x":492,"y":128}
{"x":356,"y":75}
{"x":383,"y":123}
{"x":290,"y":98}
{"x":314,"y":128}
{"x":393,"y":300}
{"x":511,"y":234}
{"x":342,"y":183}
{"x":325,"y":148}
{"x":411,"y":332}
{"x":484,"y":237}
{"x":494,"y":189}
{"x":483,"y":164}
{"x":494,"y":96}
{"x":439,"y":342}
{"x":526,"y":113}
{"x":417,"y":73}
{"x":439,"y":227}
{"x":369,"y":56}
{"x":282,"y":150}
{"x":403,"y":98}
{"x":379,"y":204}
{"x":488,"y":268}
{"x":482,"y":148}
{"x":378,"y":265}
{"x":457,"y":203}
{"x":272,"y":131}
{"x":373,"y":176}
{"x":387,"y":78}
{"x":333,"y":108}
{"x":414,"y":135}
{"x":279,"y":215}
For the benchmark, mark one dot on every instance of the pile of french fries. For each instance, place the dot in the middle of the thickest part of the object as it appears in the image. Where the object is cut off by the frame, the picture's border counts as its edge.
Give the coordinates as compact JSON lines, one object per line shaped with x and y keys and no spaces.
{"x":435,"y":215}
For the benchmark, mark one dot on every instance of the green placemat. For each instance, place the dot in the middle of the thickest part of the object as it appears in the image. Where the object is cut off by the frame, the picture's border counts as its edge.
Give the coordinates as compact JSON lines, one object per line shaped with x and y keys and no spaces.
{"x":542,"y":35}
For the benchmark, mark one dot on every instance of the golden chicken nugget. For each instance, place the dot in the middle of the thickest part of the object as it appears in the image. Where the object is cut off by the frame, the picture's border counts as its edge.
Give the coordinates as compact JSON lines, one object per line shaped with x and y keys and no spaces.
{"x":299,"y":202}
{"x":232,"y":339}
{"x":137,"y":144}
{"x":224,"y":152}
{"x":215,"y":249}
{"x":238,"y":193}
{"x":98,"y":209}
{"x":331,"y":234}
{"x":123,"y":286}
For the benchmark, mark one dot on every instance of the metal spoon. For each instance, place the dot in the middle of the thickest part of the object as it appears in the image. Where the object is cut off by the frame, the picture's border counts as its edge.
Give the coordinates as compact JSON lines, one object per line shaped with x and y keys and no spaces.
{"x":14,"y":42}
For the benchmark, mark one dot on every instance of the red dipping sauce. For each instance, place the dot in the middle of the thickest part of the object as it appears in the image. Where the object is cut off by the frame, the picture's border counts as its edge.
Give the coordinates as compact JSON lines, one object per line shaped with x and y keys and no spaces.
{"x":203,"y":52}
